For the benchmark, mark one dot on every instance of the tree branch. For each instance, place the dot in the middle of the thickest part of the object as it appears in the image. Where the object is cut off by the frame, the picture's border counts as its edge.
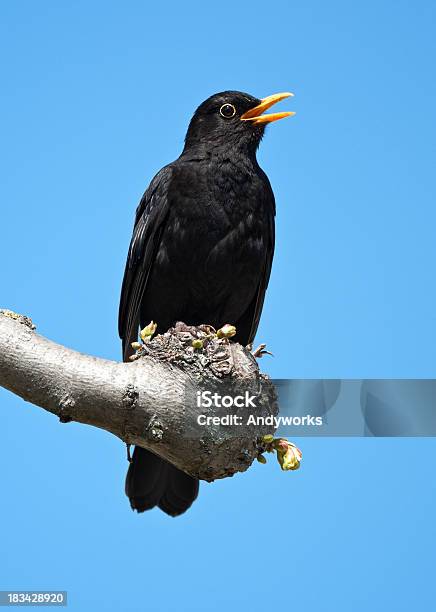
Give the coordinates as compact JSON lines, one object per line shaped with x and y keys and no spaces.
{"x":150,"y":402}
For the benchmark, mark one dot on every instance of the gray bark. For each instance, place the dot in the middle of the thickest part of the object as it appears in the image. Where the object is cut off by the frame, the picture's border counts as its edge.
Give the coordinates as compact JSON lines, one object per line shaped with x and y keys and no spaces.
{"x":149,"y":402}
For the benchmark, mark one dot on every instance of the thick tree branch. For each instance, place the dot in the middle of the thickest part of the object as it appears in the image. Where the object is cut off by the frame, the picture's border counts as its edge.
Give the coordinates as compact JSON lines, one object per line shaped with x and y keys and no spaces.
{"x":150,"y":402}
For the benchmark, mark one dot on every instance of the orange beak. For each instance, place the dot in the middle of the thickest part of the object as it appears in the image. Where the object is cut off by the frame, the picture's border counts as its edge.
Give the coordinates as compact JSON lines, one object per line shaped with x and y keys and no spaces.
{"x":255,"y":114}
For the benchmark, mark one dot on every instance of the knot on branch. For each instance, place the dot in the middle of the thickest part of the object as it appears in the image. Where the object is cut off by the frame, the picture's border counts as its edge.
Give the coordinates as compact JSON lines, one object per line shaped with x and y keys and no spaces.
{"x":27,"y":321}
{"x":225,"y":440}
{"x":201,"y":352}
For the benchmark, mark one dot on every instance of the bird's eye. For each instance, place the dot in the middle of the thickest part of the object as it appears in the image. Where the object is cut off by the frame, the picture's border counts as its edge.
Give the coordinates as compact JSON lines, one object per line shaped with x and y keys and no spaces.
{"x":227,"y":111}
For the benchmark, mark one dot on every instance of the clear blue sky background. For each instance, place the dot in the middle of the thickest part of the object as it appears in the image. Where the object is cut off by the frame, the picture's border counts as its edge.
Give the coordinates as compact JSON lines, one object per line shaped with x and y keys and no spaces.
{"x":96,"y":97}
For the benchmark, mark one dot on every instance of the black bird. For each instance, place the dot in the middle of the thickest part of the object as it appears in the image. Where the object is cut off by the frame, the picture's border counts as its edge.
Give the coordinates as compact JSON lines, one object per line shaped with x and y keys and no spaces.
{"x":201,"y":252}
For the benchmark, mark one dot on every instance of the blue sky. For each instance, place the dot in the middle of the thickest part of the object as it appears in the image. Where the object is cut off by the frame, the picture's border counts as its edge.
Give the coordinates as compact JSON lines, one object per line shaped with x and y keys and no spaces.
{"x":96,"y":97}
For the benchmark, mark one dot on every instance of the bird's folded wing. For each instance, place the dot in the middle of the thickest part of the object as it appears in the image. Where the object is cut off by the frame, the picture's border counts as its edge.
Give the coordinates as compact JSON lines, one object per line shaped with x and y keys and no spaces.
{"x":150,"y":220}
{"x":249,"y":322}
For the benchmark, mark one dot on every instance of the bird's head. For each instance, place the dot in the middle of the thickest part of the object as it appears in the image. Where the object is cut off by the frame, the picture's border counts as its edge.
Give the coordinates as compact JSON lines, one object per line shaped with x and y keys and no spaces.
{"x":232,"y":119}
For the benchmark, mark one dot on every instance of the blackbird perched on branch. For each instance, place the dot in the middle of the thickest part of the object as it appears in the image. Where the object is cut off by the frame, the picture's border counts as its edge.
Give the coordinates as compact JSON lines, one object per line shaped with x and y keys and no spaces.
{"x":201,"y":252}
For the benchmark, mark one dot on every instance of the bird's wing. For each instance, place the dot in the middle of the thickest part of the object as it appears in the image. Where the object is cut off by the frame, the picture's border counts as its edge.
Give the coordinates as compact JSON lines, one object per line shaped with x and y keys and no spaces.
{"x":249,"y":322}
{"x":150,"y":220}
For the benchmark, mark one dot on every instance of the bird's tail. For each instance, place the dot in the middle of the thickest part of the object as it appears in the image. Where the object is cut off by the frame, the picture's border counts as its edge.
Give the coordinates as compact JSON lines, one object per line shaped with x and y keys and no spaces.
{"x":151,"y":482}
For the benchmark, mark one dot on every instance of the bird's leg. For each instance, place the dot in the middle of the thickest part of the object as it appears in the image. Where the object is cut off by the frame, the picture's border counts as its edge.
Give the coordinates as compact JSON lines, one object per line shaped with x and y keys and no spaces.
{"x":129,"y":456}
{"x":288,"y":455}
{"x":260,"y":351}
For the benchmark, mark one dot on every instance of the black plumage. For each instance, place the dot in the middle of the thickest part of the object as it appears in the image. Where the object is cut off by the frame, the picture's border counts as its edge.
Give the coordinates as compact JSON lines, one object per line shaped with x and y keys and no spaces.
{"x":201,"y":252}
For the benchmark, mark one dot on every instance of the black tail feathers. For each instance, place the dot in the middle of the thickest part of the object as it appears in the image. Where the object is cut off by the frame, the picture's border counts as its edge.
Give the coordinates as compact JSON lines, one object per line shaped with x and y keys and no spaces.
{"x":151,"y":482}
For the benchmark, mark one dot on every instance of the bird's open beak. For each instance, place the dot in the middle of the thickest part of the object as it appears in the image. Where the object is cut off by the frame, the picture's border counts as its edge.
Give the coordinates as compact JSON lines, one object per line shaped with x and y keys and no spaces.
{"x":255,"y":114}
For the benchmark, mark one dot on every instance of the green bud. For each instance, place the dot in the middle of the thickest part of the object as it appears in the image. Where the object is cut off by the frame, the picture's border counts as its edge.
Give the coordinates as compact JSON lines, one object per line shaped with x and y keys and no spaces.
{"x":268,"y":438}
{"x":227,"y":331}
{"x":291,"y":459}
{"x":261,"y":459}
{"x":148,"y":331}
{"x":197,"y":343}
{"x":281,"y":445}
{"x":136,"y":346}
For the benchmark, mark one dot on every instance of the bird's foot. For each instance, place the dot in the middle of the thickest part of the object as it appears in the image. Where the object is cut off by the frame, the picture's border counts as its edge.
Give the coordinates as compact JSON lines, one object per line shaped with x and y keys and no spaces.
{"x":226,"y":332}
{"x":260,"y":351}
{"x":289,"y":456}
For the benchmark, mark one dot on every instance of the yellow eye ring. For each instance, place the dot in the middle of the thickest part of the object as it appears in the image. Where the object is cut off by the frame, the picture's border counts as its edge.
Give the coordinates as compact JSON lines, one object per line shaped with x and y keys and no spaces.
{"x":227,"y":111}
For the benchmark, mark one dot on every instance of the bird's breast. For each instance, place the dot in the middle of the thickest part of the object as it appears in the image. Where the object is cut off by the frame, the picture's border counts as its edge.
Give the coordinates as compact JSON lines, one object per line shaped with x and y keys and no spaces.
{"x":218,"y":235}
{"x":212,"y":251}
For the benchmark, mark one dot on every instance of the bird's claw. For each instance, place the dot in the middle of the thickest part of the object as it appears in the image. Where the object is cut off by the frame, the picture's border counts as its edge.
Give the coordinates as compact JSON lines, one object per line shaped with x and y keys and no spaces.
{"x":261,"y":351}
{"x":289,"y":456}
